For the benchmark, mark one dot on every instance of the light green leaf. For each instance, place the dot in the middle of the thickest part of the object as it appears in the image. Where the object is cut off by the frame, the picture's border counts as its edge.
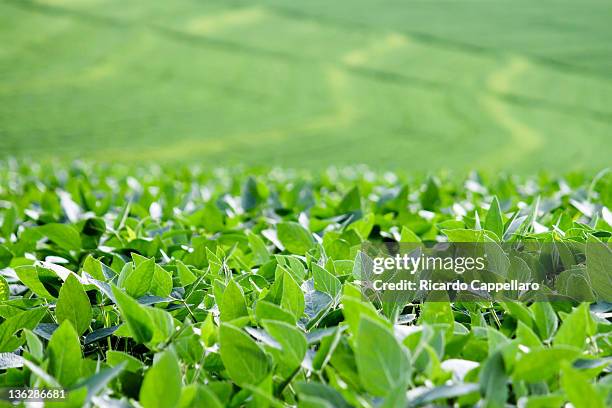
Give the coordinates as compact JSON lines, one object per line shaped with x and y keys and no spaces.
{"x":161,"y":387}
{"x":292,"y":299}
{"x":494,"y":221}
{"x":244,"y":360}
{"x":292,"y":341}
{"x":114,"y":357}
{"x":431,"y":195}
{"x":444,"y":392}
{"x":294,"y":237}
{"x":97,"y":382}
{"x":35,"y":346}
{"x":437,"y":312}
{"x":351,"y":202}
{"x":5,"y":256}
{"x":162,"y":282}
{"x":270,"y":311}
{"x":63,"y":235}
{"x":94,"y":268}
{"x":575,"y":328}
{"x":354,"y":309}
{"x":73,"y":305}
{"x":29,"y":276}
{"x":43,"y":376}
{"x":64,"y":352}
{"x":408,"y":236}
{"x":580,"y":392}
{"x":233,"y":303}
{"x":545,"y":319}
{"x":493,"y":380}
{"x":364,"y":226}
{"x":526,"y":336}
{"x":599,"y":259}
{"x":5,"y":291}
{"x":260,"y":252}
{"x":185,"y":275}
{"x":382,"y":363}
{"x":542,"y":363}
{"x":325,"y":281}
{"x":135,"y":315}
{"x":27,"y":319}
{"x":196,"y":395}
{"x":138,"y":280}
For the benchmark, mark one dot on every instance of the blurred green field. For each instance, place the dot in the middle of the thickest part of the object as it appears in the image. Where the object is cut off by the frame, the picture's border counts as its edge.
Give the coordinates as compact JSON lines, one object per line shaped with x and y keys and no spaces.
{"x":516,"y":85}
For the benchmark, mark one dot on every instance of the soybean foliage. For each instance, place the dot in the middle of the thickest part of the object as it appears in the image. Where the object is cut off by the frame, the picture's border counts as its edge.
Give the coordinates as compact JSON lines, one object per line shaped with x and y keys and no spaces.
{"x":174,"y":286}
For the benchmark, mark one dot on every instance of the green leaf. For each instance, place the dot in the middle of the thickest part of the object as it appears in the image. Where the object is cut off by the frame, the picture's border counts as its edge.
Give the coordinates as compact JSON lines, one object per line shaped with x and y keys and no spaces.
{"x":292,"y":299}
{"x":97,"y":382}
{"x":233,"y":304}
{"x":382,"y":363}
{"x":5,"y":291}
{"x":161,"y":387}
{"x":64,"y":236}
{"x":354,"y":309}
{"x":431,"y":195}
{"x":599,"y":259}
{"x":444,"y":392}
{"x":493,"y":381}
{"x":64,"y":353}
{"x":526,"y":336}
{"x":35,"y":346}
{"x":541,"y":364}
{"x":196,"y":395}
{"x":270,"y":311}
{"x":321,"y":391}
{"x":434,"y":312}
{"x":27,"y":319}
{"x":73,"y":305}
{"x":185,"y":275}
{"x":292,"y":341}
{"x":250,"y":194}
{"x":351,"y":202}
{"x":520,"y":312}
{"x":41,"y":374}
{"x":114,"y":358}
{"x":138,"y":280}
{"x":212,"y":218}
{"x":408,"y":236}
{"x":244,"y":360}
{"x":162,"y":282}
{"x":5,"y":257}
{"x":364,"y":226}
{"x":494,"y":221}
{"x":325,"y":281}
{"x":138,"y":320}
{"x":575,"y":328}
{"x":261,"y":254}
{"x":580,"y":392}
{"x":295,"y":238}
{"x":464,"y":235}
{"x":94,"y":268}
{"x":545,"y":318}
{"x":163,"y":324}
{"x":29,"y":276}
{"x":7,"y":225}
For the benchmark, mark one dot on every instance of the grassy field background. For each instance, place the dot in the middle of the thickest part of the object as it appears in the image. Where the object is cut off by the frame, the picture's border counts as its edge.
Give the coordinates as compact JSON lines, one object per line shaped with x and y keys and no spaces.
{"x":516,"y":85}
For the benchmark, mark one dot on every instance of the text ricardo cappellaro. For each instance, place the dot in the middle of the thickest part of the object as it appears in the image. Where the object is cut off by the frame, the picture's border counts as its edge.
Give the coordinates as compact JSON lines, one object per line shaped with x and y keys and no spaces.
{"x":411,"y":264}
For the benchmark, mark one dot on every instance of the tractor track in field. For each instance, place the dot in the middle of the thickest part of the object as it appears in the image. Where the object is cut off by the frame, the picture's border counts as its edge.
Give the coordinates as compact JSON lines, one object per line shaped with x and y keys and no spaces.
{"x":374,"y":74}
{"x":525,"y":140}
